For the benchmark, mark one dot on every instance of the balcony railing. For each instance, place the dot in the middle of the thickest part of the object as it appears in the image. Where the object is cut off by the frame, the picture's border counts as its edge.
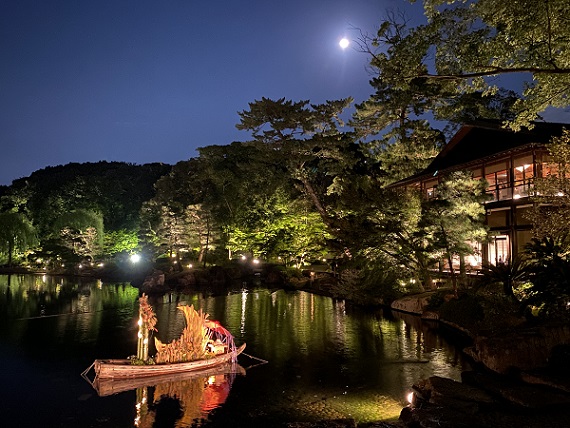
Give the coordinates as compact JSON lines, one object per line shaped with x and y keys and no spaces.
{"x":504,"y":191}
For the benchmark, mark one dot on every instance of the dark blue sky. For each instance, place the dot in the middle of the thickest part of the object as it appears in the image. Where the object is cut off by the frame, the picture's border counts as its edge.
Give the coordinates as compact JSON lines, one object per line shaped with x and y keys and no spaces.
{"x":150,"y":81}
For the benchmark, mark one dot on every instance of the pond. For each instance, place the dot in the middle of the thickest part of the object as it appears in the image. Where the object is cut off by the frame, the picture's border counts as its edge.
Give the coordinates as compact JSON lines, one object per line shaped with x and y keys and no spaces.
{"x":325,"y":359}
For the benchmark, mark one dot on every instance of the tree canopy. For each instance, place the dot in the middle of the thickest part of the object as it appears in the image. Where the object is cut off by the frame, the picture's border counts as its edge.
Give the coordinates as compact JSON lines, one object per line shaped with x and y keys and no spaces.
{"x":464,"y":46}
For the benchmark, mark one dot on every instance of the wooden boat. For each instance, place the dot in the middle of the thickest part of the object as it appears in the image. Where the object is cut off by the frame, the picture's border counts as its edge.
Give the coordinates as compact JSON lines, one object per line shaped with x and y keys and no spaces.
{"x":111,"y":386}
{"x":123,"y":368}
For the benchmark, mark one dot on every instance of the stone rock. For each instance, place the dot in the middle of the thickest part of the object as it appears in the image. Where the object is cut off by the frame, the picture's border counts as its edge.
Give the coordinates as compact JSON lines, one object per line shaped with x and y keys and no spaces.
{"x":440,"y":390}
{"x":153,"y":282}
{"x":554,"y":380}
{"x":516,"y":392}
{"x":524,"y":350}
{"x":188,"y":279}
{"x":438,"y":417}
{"x":414,"y":304}
{"x":430,"y":315}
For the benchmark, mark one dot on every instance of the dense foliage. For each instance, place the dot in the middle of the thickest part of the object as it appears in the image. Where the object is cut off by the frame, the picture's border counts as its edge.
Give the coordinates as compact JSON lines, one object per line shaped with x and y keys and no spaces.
{"x":311,"y":186}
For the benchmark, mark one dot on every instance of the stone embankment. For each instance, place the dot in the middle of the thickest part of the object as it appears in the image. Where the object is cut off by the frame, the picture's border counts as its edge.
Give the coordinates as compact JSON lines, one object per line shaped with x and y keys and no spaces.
{"x":523,"y":381}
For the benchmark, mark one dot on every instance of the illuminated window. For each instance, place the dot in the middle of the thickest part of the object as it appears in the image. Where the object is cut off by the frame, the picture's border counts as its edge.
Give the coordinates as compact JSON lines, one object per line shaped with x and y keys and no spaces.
{"x":497,"y":176}
{"x":523,"y":173}
{"x":499,"y":249}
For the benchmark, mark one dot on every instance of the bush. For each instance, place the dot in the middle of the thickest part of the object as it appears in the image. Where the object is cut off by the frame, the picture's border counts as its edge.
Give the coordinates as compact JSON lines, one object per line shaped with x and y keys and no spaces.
{"x":466,"y":311}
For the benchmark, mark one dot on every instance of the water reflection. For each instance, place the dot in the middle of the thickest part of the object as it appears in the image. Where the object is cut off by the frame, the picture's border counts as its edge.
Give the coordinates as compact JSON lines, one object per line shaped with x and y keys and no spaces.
{"x":193,"y":400}
{"x":327,"y":359}
{"x":182,"y":400}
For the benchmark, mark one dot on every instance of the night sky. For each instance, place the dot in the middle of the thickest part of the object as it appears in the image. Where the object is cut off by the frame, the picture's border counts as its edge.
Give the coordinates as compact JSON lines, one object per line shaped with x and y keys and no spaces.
{"x":151,"y":80}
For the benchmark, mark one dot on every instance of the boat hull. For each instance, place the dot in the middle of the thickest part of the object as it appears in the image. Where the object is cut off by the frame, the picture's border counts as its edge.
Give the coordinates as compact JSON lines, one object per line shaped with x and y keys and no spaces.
{"x":122,"y":369}
{"x":110,"y":386}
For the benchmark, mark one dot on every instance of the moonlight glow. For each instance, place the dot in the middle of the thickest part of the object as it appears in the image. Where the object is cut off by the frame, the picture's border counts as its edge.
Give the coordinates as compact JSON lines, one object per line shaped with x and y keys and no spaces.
{"x":343,"y":43}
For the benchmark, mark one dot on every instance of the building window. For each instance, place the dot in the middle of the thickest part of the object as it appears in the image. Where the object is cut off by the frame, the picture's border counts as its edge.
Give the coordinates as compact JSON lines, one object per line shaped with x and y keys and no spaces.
{"x":524,"y":237}
{"x":523,"y":174}
{"x":499,"y":249}
{"x":499,"y":182}
{"x":498,"y":218}
{"x":430,"y":189}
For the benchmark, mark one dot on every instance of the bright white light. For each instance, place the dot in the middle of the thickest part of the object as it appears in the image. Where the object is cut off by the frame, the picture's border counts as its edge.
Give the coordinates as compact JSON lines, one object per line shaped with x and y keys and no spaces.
{"x":255,"y":261}
{"x":343,"y":43}
{"x":135,"y":258}
{"x":410,"y":397}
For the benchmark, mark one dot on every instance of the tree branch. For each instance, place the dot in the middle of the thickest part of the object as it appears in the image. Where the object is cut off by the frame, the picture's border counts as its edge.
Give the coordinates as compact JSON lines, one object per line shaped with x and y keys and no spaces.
{"x":491,"y":72}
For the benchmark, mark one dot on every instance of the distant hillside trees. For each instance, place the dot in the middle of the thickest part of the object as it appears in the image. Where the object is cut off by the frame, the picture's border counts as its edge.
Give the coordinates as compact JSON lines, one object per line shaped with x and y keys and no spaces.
{"x":72,"y":206}
{"x":17,"y":235}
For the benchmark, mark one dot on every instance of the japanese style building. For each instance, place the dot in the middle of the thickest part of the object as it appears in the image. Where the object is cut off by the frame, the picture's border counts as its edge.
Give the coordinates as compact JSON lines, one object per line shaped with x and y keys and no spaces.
{"x":509,"y":162}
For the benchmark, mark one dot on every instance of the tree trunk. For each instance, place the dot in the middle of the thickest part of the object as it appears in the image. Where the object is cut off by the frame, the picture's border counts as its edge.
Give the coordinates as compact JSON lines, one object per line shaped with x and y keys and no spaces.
{"x":462,"y":270}
{"x":10,"y":251}
{"x":315,"y":200}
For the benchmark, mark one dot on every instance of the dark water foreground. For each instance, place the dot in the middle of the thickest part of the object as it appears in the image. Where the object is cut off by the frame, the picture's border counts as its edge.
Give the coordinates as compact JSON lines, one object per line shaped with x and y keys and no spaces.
{"x":326,"y":360}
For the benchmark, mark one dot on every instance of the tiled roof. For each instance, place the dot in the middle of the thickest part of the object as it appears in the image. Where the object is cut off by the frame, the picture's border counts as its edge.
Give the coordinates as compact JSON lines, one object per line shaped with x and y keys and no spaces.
{"x":483,"y":140}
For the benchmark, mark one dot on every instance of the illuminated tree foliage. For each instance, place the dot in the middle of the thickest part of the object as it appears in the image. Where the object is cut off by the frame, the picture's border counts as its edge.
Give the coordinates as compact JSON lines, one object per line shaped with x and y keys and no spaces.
{"x":464,"y":45}
{"x":302,"y":138}
{"x":454,"y":219}
{"x":81,"y":230}
{"x":17,"y":234}
{"x":551,"y":214}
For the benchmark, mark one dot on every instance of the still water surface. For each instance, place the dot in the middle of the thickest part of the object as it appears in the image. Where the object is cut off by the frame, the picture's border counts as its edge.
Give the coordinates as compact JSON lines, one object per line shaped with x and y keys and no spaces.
{"x":325,"y":359}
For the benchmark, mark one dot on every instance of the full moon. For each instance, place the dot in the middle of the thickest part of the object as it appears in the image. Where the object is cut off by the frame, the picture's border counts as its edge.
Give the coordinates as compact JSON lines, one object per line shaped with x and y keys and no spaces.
{"x":343,"y":43}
